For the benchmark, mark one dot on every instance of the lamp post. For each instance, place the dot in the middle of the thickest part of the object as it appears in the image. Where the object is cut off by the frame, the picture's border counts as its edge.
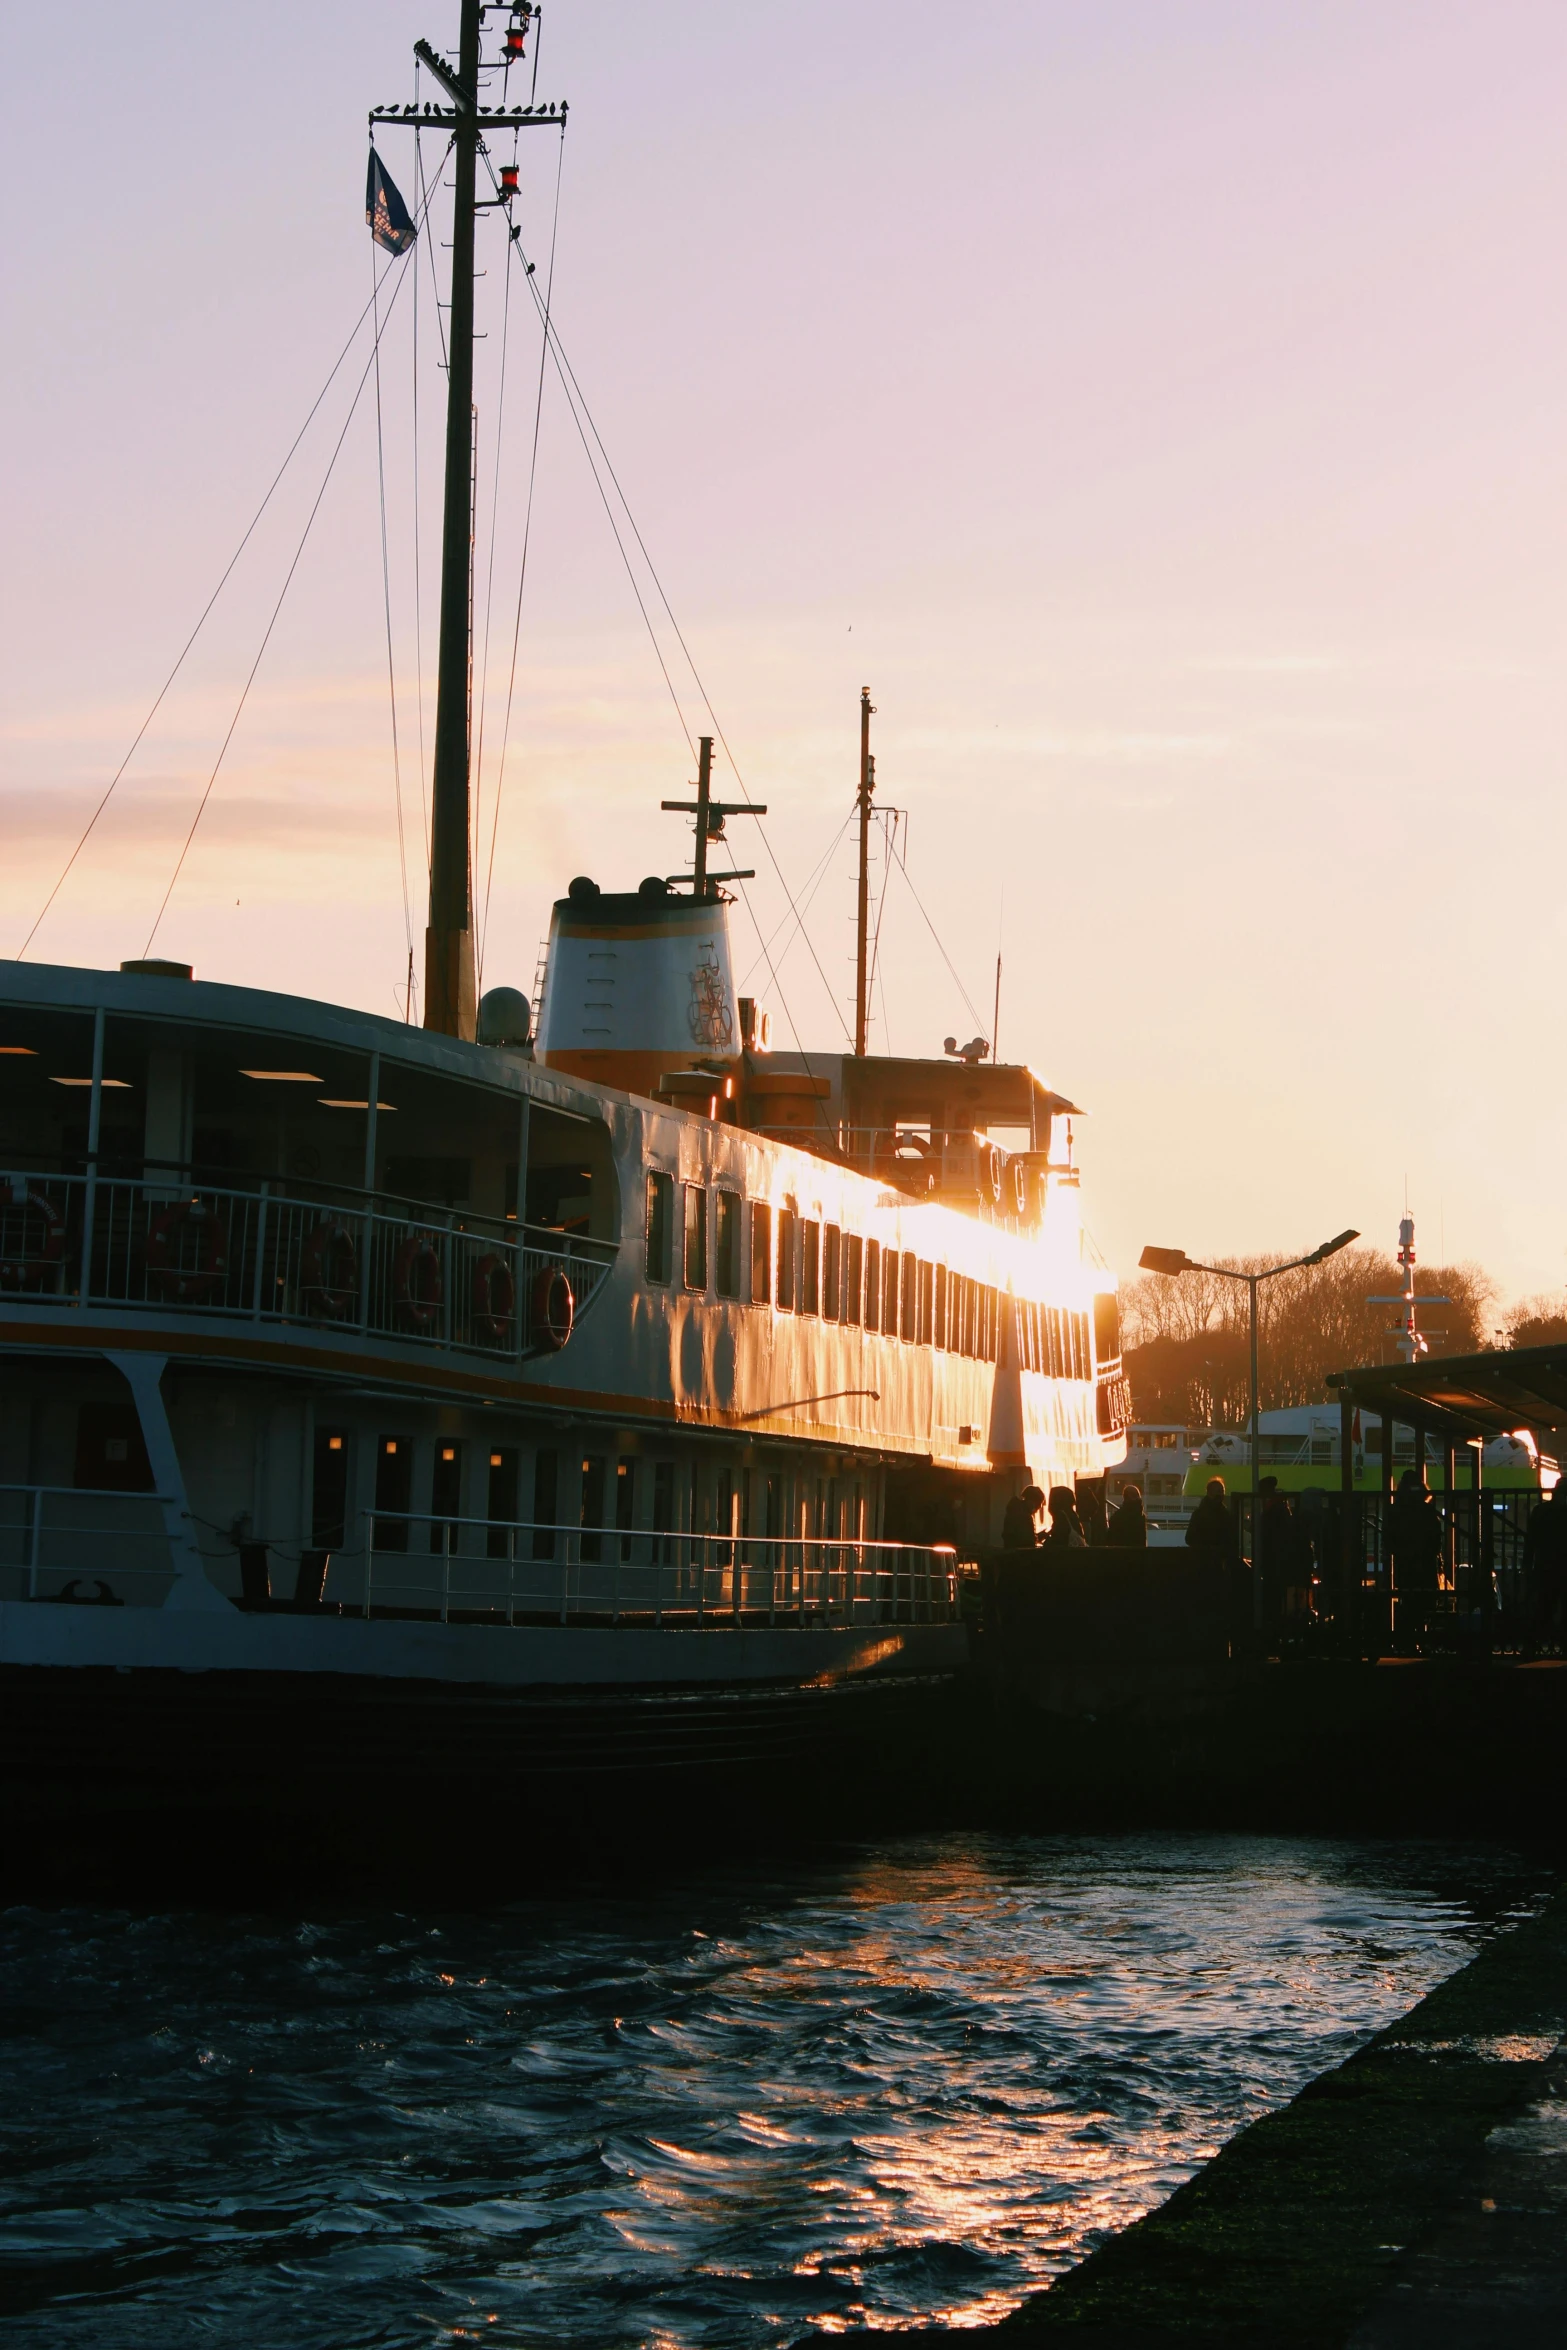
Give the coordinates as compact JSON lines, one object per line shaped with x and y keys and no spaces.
{"x":1175,"y":1261}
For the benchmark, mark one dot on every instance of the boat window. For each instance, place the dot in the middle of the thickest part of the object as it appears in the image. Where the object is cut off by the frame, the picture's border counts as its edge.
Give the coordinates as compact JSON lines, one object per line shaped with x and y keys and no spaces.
{"x":394,"y":1460}
{"x":939,"y":1308}
{"x":761,"y":1252}
{"x":889,"y":1291}
{"x":810,"y":1265}
{"x":696,"y":1235}
{"x":500,"y":1505}
{"x":1107,"y":1327}
{"x":992,"y":1323}
{"x":726,"y":1244}
{"x":593,"y":1482}
{"x":445,"y":1498}
{"x":873,"y":1285}
{"x":329,"y":1490}
{"x":911,"y":1297}
{"x":787,"y":1221}
{"x":853,"y":1275}
{"x":927,"y":1303}
{"x":660,"y":1224}
{"x":546,"y":1490}
{"x":832,"y":1265}
{"x":625,"y":1502}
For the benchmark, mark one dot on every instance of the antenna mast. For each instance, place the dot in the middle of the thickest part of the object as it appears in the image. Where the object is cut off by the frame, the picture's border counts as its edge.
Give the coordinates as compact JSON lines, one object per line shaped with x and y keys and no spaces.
{"x":710,"y":815}
{"x":450,"y":988}
{"x":862,"y":911}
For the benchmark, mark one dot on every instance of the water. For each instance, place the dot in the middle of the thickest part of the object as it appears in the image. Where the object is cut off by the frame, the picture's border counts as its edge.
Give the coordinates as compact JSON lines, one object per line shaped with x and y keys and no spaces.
{"x":850,"y":2093}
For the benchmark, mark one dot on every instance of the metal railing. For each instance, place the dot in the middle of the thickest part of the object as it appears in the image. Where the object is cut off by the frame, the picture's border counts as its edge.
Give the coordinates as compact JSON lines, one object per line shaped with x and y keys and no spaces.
{"x":63,"y":1542}
{"x":488,"y":1570}
{"x":442,"y":1277}
{"x":1342,"y":1554}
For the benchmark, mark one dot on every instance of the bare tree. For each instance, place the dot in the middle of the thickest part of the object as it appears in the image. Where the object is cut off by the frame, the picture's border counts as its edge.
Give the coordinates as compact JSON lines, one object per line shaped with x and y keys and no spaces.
{"x":1187,"y":1343}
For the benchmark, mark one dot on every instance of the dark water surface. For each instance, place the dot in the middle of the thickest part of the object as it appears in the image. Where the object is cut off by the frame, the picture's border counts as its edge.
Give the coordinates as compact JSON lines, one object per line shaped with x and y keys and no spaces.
{"x":843,"y":2093}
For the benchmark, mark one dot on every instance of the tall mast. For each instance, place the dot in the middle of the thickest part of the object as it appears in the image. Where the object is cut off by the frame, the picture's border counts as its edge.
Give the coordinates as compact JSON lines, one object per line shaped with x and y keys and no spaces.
{"x":449,"y":978}
{"x":862,"y":914}
{"x":450,"y":1003}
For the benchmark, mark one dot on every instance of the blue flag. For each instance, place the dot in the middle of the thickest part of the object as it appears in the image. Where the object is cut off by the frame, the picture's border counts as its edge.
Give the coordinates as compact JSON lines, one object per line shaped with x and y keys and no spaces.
{"x":385,"y":210}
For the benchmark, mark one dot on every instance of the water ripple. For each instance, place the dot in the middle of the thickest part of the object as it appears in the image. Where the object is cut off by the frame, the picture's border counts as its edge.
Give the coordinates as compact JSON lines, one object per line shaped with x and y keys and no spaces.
{"x":846,"y":2095}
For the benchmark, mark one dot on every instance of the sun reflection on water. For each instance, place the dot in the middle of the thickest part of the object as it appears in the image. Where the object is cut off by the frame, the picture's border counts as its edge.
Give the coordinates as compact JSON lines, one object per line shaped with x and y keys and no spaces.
{"x":846,"y":2096}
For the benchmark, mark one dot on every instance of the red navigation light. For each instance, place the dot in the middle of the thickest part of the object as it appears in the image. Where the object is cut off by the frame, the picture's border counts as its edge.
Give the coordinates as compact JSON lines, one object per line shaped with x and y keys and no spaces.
{"x":508,"y":180}
{"x":511,"y":46}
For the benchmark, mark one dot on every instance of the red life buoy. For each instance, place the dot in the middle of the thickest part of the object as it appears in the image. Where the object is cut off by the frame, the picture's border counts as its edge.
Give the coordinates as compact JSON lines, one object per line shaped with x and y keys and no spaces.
{"x":24,"y":1266}
{"x":494,"y":1295}
{"x":417,"y":1289}
{"x":554,"y":1308}
{"x":329,"y":1270}
{"x":171,"y":1275}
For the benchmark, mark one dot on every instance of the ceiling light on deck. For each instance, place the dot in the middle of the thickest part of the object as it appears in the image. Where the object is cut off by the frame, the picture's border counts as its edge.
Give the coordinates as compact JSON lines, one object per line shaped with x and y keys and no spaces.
{"x":282,"y":1076}
{"x":19,"y":1048}
{"x":122,"y":1084}
{"x":328,"y":1104}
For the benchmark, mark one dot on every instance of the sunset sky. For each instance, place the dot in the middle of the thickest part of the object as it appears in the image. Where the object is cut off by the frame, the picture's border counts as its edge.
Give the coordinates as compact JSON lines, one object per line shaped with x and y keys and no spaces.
{"x":1160,"y":407}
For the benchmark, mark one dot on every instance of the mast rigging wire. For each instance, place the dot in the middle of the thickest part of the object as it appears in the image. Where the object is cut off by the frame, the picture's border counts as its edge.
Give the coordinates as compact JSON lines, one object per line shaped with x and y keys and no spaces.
{"x":975,"y":1014}
{"x":489,"y":597}
{"x":276,"y":609}
{"x":196,"y":631}
{"x":574,"y":395}
{"x":386,"y":585}
{"x":527,"y":535}
{"x":564,"y":367}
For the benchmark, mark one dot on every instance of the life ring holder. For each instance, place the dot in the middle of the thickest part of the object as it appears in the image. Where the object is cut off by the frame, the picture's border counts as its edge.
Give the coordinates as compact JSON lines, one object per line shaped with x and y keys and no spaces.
{"x":494,"y":1298}
{"x":1020,"y":1187}
{"x":169,"y":1279}
{"x":31,"y":1272}
{"x":329,"y":1270}
{"x":553,"y":1308}
{"x":990,"y":1163}
{"x":417,"y":1288}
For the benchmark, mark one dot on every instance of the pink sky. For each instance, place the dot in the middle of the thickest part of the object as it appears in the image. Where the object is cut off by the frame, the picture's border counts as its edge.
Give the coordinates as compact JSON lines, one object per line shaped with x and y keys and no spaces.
{"x":1158,"y":406}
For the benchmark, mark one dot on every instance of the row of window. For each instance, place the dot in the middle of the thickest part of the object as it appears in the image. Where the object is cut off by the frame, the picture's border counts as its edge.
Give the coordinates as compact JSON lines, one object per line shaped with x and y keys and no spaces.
{"x":815,"y":1268}
{"x":601,"y":1493}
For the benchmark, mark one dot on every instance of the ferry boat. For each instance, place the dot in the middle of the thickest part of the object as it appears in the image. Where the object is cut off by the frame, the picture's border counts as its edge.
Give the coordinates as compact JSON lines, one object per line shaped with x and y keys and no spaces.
{"x":579,"y":1385}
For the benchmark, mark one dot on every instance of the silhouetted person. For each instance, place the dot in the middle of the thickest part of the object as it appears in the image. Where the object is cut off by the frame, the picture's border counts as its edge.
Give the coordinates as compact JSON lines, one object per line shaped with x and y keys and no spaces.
{"x":1211,"y":1535}
{"x":1066,"y":1532}
{"x":1415,"y":1543}
{"x":1211,"y":1526}
{"x":1545,"y":1568}
{"x":1128,"y":1528}
{"x":1019,"y":1527}
{"x":1273,"y":1543}
{"x":1091,"y":1512}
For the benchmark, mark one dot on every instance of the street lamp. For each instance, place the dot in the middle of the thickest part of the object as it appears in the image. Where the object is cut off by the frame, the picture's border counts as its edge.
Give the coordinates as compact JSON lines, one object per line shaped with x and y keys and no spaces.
{"x":1175,"y":1260}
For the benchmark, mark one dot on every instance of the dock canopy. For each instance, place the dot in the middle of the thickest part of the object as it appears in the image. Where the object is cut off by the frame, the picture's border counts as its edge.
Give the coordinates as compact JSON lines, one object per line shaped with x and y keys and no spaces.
{"x":1465,"y":1396}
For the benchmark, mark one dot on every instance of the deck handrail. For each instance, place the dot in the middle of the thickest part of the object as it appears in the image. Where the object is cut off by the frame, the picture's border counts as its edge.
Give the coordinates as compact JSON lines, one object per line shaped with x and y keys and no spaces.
{"x":437,"y":1277}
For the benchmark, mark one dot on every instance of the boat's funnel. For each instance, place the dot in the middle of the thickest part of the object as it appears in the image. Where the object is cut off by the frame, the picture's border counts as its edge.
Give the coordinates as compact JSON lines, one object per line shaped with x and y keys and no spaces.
{"x":638,"y":983}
